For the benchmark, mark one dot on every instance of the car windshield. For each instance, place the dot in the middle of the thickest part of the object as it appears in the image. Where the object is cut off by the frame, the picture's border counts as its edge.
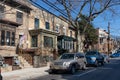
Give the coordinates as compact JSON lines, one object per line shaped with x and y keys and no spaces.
{"x":67,"y":56}
{"x":91,"y":53}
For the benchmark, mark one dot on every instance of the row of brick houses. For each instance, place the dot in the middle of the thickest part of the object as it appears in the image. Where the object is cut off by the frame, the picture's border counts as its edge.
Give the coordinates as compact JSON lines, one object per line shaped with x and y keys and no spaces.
{"x":31,"y":35}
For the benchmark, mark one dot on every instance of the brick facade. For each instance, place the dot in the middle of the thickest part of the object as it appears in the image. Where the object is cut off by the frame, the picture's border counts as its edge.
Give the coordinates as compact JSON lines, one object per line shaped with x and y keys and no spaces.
{"x":36,"y":33}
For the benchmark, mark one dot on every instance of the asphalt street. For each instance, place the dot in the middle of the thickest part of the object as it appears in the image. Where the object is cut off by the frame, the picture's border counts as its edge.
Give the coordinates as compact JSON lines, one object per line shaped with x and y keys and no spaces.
{"x":110,"y":71}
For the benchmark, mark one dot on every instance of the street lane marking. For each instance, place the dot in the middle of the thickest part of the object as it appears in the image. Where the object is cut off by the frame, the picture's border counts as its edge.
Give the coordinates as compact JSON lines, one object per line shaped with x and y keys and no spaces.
{"x":86,"y":72}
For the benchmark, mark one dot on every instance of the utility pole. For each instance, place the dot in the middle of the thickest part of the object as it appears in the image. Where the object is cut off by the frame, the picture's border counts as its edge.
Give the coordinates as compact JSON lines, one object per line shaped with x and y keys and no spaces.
{"x":108,"y":38}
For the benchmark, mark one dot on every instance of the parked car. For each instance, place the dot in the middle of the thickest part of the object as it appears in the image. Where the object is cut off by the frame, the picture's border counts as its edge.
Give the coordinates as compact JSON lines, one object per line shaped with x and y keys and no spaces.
{"x":114,"y":55}
{"x":69,"y":62}
{"x":94,"y":58}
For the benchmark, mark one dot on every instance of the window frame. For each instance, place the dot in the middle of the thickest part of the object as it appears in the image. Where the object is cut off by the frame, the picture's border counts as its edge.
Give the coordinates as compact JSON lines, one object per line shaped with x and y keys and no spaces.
{"x":36,"y":23}
{"x":2,"y":37}
{"x":13,"y":39}
{"x":47,"y":25}
{"x":7,"y":40}
{"x":34,"y":44}
{"x":19,"y":17}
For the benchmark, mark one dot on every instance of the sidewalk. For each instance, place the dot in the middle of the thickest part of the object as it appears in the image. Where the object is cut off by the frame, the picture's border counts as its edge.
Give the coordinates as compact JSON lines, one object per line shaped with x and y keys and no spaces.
{"x":25,"y":74}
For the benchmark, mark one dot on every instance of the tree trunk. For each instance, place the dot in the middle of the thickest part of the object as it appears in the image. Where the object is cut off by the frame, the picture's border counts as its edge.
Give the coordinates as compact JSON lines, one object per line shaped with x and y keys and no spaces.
{"x":79,"y":43}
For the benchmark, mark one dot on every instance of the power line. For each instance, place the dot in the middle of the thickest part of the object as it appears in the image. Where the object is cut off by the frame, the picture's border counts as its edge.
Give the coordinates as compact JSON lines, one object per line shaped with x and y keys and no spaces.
{"x":39,"y":6}
{"x":55,"y":7}
{"x":70,"y":9}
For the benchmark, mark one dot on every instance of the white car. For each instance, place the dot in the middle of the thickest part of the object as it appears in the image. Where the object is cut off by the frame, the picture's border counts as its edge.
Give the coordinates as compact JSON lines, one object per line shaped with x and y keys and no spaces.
{"x":68,"y":62}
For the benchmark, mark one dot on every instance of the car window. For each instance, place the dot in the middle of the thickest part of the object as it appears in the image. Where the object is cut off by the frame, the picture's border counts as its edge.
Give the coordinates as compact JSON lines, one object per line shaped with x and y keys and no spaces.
{"x":80,"y":55}
{"x":67,"y":56}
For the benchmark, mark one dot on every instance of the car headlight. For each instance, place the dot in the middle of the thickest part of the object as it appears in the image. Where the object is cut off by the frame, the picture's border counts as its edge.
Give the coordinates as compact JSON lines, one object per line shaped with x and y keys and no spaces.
{"x":66,"y":63}
{"x":93,"y":58}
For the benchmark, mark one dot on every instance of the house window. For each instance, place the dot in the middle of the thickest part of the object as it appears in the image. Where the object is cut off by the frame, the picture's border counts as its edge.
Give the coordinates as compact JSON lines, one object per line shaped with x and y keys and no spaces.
{"x":101,"y":40}
{"x":2,"y":37}
{"x":47,"y":25}
{"x":48,"y":41}
{"x":57,"y":28}
{"x":34,"y":41}
{"x":13,"y":39}
{"x":70,"y":33}
{"x":19,"y":17}
{"x":2,"y":11}
{"x":8,"y":38}
{"x":36,"y":23}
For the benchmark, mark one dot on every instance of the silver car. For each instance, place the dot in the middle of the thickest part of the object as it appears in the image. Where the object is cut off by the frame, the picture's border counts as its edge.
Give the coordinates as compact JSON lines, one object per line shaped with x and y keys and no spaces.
{"x":68,"y":62}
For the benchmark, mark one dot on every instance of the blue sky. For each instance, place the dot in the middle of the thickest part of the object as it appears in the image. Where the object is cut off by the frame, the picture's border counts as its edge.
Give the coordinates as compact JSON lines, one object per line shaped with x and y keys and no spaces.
{"x":101,"y":21}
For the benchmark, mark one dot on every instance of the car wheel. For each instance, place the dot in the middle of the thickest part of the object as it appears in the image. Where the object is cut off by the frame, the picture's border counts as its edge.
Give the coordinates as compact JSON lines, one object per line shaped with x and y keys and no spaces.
{"x":72,"y":70}
{"x":102,"y":63}
{"x":51,"y":71}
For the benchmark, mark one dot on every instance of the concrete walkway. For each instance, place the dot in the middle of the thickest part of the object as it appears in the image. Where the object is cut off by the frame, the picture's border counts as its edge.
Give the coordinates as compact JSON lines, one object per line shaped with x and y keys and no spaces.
{"x":25,"y":74}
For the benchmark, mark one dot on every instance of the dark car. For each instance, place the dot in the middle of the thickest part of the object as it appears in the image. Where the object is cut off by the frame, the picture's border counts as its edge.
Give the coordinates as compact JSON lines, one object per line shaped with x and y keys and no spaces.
{"x":115,"y":55}
{"x":94,"y":58}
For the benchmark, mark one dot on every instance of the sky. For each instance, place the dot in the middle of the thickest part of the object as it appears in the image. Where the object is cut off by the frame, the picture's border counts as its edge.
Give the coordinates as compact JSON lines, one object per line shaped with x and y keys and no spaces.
{"x":100,"y":22}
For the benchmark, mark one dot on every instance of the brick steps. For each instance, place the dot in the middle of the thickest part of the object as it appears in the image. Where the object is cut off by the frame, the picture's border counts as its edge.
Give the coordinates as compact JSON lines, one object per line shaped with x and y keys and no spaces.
{"x":24,"y":63}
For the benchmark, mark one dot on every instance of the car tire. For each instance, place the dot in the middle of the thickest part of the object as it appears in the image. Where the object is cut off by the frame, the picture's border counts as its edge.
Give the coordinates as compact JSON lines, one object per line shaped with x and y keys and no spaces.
{"x":102,"y":63}
{"x":51,"y":71}
{"x":72,"y":70}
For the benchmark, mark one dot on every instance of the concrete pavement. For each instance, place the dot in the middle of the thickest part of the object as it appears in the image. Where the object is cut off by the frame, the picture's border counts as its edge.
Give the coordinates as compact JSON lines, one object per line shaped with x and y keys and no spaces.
{"x":25,"y":74}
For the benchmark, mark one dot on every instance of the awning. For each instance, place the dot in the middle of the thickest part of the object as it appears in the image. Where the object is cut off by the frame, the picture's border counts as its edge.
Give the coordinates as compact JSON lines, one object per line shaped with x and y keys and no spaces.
{"x":66,"y":38}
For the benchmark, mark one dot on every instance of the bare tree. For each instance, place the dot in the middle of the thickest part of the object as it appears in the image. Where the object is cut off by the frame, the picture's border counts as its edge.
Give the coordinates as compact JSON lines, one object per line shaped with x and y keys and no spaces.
{"x":75,"y":9}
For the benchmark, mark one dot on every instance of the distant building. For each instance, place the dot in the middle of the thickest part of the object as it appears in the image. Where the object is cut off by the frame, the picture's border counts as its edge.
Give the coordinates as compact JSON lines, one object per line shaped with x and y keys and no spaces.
{"x":102,"y":45}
